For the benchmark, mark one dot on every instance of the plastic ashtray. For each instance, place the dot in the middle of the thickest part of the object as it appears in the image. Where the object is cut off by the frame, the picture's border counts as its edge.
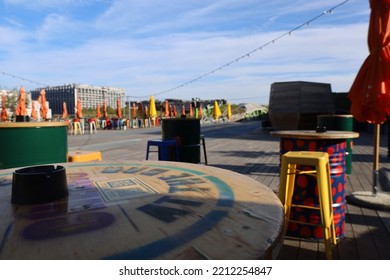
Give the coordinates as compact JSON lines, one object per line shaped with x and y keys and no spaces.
{"x":39,"y":184}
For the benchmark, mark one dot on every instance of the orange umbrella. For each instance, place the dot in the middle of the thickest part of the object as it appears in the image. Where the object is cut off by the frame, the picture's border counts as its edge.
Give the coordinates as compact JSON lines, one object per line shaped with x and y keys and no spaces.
{"x":191,"y":113}
{"x":140,"y":110}
{"x":64,"y":111}
{"x":174,"y":111}
{"x":118,"y":108}
{"x":98,"y":114}
{"x":200,"y":111}
{"x":105,"y":115}
{"x":21,"y":109}
{"x":3,"y":109}
{"x":370,"y":91}
{"x":42,"y":100}
{"x":183,"y":110}
{"x":79,"y":111}
{"x":33,"y":111}
{"x":146,"y":112}
{"x":134,"y":109}
{"x":166,"y":112}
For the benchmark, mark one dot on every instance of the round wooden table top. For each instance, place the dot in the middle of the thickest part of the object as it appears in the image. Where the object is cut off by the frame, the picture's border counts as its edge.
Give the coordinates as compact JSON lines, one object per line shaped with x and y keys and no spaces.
{"x":312,"y":134}
{"x":145,"y":210}
{"x":31,"y":124}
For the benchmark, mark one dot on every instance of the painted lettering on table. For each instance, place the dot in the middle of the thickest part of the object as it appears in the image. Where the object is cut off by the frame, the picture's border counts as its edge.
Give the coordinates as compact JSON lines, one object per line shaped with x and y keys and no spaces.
{"x":67,"y":225}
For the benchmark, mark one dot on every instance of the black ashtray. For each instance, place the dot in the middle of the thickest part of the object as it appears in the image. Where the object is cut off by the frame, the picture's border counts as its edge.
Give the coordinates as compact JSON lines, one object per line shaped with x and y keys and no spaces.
{"x":39,"y":184}
{"x":321,"y":129}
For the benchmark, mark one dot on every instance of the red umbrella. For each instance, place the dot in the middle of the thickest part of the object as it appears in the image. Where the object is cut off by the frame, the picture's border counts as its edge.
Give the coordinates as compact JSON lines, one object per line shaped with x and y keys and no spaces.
{"x":370,"y":92}
{"x":183,"y":110}
{"x":105,"y":116}
{"x":140,"y":110}
{"x":21,"y":109}
{"x":118,"y":108}
{"x":98,"y":114}
{"x":134,"y":111}
{"x":174,"y":111}
{"x":166,"y":112}
{"x":64,"y":111}
{"x":79,"y":111}
{"x":33,"y":110}
{"x":191,"y":113}
{"x":42,"y":101}
{"x":3,"y":109}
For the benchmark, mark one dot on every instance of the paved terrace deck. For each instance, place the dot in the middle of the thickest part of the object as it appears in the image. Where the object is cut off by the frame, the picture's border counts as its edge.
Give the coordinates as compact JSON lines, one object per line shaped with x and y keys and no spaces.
{"x":248,"y":149}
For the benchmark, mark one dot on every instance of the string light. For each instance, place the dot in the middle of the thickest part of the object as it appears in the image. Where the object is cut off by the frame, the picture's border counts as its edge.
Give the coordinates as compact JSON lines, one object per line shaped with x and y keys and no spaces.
{"x":23,"y":79}
{"x":288,"y":33}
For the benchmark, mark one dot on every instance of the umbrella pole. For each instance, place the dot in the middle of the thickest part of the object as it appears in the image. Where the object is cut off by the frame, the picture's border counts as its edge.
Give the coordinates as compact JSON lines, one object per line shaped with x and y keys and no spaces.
{"x":377,"y":130}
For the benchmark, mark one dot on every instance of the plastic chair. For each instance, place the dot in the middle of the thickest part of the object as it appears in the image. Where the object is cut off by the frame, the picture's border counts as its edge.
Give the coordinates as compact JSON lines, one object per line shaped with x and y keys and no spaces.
{"x":77,"y":128}
{"x":163,"y":145}
{"x":289,"y":169}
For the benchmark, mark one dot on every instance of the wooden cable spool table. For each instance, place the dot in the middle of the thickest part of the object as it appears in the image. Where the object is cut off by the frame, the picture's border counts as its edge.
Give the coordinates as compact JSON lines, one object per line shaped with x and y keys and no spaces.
{"x":145,"y":210}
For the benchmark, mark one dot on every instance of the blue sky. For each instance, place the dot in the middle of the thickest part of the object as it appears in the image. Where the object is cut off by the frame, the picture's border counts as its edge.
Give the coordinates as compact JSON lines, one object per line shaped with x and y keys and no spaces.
{"x":151,"y":47}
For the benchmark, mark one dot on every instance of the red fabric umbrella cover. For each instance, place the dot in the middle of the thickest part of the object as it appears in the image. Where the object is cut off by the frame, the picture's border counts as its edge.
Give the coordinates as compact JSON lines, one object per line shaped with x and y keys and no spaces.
{"x":98,"y":114}
{"x":21,"y":109}
{"x":3,"y":108}
{"x":118,"y":108}
{"x":370,"y":92}
{"x":42,"y":101}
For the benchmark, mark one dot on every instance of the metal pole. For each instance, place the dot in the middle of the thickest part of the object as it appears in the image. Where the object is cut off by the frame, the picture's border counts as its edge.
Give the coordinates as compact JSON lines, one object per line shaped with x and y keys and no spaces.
{"x":377,"y":130}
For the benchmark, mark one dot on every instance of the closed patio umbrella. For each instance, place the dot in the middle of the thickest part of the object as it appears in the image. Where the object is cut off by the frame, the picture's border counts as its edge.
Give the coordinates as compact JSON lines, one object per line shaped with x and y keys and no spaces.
{"x":64,"y":111}
{"x":79,"y":106}
{"x":42,"y":101}
{"x":216,"y":111}
{"x":166,"y":109}
{"x":152,"y":108}
{"x":370,"y":91}
{"x":3,"y":108}
{"x":118,"y":108}
{"x":33,"y":110}
{"x":105,"y":115}
{"x":21,"y":108}
{"x":98,"y":113}
{"x":229,"y":111}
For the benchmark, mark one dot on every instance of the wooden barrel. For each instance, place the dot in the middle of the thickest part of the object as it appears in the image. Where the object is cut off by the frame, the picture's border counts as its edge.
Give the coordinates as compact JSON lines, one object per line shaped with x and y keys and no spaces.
{"x":295,"y":105}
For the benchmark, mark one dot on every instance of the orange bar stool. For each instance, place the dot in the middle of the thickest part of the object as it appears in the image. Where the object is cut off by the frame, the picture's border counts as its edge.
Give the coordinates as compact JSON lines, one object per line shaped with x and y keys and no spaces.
{"x":289,"y":169}
{"x":163,"y":145}
{"x":81,"y":156}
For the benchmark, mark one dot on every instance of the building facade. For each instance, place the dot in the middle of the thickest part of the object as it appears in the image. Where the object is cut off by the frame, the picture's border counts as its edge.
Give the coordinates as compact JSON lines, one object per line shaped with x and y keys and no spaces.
{"x":90,"y":96}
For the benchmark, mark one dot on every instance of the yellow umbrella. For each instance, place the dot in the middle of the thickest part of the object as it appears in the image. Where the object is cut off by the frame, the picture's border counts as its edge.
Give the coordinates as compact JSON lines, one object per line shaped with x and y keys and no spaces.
{"x":229,"y":111}
{"x":152,"y":108}
{"x":216,"y":111}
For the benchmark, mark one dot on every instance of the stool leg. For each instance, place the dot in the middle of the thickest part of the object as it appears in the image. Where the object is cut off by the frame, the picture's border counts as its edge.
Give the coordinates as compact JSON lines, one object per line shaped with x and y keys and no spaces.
{"x":325,"y":200}
{"x":204,"y":150}
{"x":286,"y":187}
{"x":147,"y":152}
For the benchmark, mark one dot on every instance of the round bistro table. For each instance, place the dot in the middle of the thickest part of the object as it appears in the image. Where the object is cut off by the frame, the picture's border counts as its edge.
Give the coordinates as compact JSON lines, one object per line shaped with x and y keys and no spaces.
{"x":145,"y":210}
{"x":305,"y":192}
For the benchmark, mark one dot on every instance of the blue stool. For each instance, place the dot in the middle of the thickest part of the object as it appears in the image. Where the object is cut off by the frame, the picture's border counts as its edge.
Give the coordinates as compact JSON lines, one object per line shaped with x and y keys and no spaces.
{"x":162,"y":148}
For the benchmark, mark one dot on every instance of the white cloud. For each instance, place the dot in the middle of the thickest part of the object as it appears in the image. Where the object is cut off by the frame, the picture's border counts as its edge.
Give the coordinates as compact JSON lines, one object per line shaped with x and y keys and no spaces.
{"x":148,"y":48}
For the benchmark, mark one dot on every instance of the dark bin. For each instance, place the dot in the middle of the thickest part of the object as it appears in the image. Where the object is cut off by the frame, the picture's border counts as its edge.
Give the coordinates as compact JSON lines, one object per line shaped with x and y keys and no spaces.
{"x":187,"y":132}
{"x":339,"y":123}
{"x":32,"y":143}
